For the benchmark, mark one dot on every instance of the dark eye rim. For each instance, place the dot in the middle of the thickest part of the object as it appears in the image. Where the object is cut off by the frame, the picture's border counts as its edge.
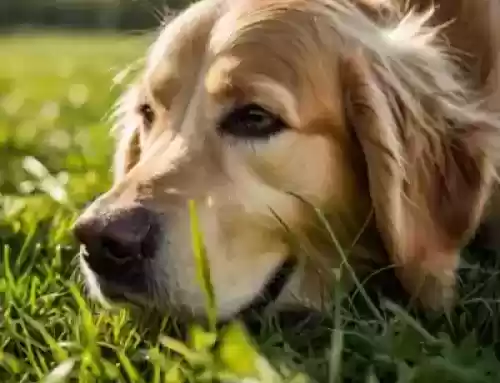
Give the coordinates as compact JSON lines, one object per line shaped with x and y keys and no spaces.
{"x":238,"y":122}
{"x":147,"y":113}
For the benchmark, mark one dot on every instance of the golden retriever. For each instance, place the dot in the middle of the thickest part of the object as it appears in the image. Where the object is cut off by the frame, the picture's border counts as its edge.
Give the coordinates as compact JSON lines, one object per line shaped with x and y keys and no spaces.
{"x":381,"y":115}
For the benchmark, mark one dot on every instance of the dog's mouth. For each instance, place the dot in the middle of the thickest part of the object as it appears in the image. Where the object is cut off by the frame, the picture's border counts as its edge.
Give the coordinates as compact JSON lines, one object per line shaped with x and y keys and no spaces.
{"x":131,"y":287}
{"x":110,"y":293}
{"x":115,"y":280}
{"x":272,"y":289}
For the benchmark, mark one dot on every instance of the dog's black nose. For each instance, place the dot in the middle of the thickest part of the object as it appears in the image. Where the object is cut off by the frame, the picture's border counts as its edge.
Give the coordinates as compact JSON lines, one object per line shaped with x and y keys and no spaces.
{"x":119,"y":240}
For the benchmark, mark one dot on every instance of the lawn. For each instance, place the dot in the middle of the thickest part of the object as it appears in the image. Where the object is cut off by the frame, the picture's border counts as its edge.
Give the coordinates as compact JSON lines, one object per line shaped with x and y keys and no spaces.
{"x":55,"y":148}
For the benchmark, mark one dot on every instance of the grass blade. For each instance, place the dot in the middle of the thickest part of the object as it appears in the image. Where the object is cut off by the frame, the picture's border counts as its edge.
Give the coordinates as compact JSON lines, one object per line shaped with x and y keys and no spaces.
{"x":202,"y":264}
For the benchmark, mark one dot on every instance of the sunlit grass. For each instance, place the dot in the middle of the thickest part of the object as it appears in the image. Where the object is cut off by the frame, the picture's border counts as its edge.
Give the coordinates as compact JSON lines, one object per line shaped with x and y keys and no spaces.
{"x":55,"y":152}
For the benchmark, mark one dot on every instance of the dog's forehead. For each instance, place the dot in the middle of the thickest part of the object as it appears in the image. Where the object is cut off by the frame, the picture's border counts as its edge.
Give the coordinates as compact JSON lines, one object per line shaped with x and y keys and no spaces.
{"x":180,"y":45}
{"x":276,"y":50}
{"x":277,"y":38}
{"x":210,"y":24}
{"x":244,"y":19}
{"x":193,"y":23}
{"x":278,"y":45}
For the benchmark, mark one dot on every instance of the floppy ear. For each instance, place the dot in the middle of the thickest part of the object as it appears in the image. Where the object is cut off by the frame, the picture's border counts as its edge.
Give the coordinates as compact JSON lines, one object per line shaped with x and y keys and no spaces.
{"x":425,"y":146}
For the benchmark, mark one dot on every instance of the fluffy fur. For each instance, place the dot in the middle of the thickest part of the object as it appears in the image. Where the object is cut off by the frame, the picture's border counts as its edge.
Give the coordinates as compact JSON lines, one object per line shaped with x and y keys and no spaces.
{"x":392,"y":133}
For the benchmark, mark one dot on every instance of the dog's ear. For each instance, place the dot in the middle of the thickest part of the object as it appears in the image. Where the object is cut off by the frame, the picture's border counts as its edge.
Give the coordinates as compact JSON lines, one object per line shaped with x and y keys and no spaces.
{"x":425,"y":146}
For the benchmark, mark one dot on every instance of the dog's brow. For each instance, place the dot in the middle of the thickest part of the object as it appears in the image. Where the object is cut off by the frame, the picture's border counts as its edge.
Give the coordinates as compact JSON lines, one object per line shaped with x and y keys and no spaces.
{"x":217,"y":79}
{"x":163,"y":87}
{"x":179,"y":47}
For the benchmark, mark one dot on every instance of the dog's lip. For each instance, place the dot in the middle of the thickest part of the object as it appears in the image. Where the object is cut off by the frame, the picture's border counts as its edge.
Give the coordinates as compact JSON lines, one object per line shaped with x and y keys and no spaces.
{"x":108,"y":260}
{"x":86,"y":254}
{"x":120,"y":291}
{"x":133,"y":280}
{"x":119,"y":259}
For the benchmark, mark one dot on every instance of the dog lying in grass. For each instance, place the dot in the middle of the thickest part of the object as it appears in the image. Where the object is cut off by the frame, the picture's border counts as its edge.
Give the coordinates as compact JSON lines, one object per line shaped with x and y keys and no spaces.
{"x":378,"y":118}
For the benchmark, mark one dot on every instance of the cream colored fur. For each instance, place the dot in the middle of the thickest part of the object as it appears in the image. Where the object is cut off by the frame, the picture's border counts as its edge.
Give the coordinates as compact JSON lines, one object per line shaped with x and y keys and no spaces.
{"x":387,"y":136}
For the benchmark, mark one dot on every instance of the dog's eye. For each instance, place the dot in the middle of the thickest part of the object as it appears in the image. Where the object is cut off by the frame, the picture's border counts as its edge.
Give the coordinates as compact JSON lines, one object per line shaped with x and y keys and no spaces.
{"x":147,"y":113}
{"x":251,"y":121}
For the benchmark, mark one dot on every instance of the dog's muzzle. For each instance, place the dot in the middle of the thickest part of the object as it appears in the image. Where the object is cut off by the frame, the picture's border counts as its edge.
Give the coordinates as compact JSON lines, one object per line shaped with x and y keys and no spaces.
{"x":118,"y":244}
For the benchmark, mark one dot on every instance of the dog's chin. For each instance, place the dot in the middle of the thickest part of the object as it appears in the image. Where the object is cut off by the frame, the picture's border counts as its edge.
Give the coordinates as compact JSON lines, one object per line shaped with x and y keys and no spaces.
{"x":137,"y":297}
{"x":112,"y":293}
{"x":141,"y":296}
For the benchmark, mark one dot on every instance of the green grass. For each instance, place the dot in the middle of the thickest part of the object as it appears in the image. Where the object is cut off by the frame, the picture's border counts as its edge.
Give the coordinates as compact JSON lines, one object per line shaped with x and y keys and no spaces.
{"x":55,"y":153}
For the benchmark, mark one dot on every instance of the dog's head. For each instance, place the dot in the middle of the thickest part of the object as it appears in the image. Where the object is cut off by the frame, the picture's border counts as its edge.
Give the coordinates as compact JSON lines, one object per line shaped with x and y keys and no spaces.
{"x":259,"y":111}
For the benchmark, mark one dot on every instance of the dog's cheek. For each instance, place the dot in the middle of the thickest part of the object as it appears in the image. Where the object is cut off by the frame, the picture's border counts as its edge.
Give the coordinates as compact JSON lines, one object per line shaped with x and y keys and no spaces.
{"x":305,"y":165}
{"x":241,"y":259}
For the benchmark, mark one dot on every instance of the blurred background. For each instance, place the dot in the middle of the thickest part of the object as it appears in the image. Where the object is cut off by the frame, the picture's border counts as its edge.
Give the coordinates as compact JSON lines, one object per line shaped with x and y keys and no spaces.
{"x":124,"y":15}
{"x":61,"y":70}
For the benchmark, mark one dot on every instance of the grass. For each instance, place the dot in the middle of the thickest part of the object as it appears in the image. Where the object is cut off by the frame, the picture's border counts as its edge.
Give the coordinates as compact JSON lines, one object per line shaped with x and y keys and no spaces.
{"x":55,"y":154}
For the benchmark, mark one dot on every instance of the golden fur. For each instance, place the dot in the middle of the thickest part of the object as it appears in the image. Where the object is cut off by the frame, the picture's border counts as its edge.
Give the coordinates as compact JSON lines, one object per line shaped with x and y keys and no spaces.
{"x":392,"y":132}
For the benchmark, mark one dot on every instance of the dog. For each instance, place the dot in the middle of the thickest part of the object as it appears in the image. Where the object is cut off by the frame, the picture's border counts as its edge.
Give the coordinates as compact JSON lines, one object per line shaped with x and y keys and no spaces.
{"x":374,"y":117}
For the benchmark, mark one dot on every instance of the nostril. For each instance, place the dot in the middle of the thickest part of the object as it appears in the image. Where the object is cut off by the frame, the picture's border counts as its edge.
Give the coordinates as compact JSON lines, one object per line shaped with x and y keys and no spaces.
{"x":149,"y":242}
{"x":120,"y":251}
{"x":87,"y":233}
{"x":120,"y":236}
